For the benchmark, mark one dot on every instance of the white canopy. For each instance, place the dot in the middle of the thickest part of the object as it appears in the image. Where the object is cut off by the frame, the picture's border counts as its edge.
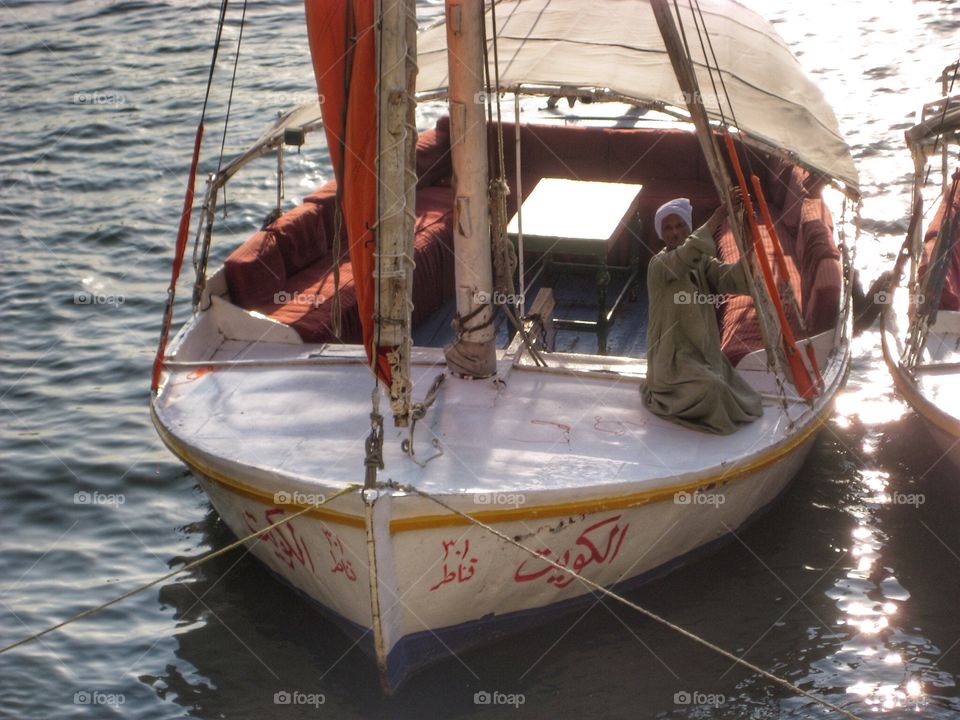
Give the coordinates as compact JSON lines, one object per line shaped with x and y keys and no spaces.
{"x":615,"y":45}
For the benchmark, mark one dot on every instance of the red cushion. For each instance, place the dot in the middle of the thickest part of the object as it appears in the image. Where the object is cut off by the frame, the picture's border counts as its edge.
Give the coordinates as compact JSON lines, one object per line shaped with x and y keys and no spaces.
{"x":308,"y":306}
{"x":433,"y":252}
{"x":740,"y":326}
{"x":304,"y":300}
{"x":564,"y":151}
{"x":301,"y":236}
{"x":433,"y":154}
{"x":255,"y":270}
{"x":789,"y":212}
{"x":326,"y":197}
{"x":821,"y":296}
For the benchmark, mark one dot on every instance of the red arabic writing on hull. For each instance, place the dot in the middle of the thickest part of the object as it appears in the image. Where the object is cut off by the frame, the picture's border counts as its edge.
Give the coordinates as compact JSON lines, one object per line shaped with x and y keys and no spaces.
{"x":599,"y":543}
{"x":287,"y":545}
{"x":337,"y":554}
{"x":458,"y":566}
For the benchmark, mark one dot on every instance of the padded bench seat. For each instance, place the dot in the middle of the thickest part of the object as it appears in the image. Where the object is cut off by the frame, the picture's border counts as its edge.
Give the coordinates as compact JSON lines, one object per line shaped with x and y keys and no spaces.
{"x":805,"y":230}
{"x":286,"y":271}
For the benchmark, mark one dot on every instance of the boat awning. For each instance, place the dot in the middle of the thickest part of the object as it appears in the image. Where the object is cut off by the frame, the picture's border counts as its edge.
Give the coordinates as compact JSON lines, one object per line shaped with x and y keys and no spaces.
{"x":616,"y":46}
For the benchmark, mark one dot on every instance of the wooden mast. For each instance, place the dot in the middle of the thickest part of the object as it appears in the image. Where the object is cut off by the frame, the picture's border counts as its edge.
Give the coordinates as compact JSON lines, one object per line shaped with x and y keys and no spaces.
{"x":473,"y":353}
{"x":397,"y":178}
{"x":687,"y":79}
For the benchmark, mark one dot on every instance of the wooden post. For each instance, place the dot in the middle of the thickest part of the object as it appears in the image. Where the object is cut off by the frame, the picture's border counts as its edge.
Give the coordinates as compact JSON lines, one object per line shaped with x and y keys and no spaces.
{"x":396,"y":171}
{"x":473,"y":354}
{"x":687,"y":79}
{"x":683,"y":69}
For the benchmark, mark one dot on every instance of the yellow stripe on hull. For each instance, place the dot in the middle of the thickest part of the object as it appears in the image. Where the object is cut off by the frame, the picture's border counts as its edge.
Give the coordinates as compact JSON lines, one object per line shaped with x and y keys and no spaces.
{"x":576,"y":507}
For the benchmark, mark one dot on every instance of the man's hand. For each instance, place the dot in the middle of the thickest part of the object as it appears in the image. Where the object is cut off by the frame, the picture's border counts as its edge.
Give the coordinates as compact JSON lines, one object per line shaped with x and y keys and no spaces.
{"x":720,"y":214}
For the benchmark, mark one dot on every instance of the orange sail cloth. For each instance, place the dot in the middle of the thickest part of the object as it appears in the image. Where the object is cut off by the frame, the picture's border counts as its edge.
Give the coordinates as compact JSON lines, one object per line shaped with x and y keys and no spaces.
{"x":343,"y":45}
{"x":801,"y":377}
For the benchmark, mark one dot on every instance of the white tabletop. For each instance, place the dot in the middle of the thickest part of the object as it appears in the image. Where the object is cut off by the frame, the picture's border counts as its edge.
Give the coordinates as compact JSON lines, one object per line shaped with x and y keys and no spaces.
{"x":587,"y":210}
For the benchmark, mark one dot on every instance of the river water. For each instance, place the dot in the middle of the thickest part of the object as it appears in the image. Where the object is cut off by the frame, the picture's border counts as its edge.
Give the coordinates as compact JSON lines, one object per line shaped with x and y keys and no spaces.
{"x":849,"y":586}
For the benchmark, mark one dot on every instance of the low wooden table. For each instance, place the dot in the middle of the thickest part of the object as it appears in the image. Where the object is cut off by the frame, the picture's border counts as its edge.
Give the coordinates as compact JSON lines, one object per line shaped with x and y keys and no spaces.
{"x":582,"y":218}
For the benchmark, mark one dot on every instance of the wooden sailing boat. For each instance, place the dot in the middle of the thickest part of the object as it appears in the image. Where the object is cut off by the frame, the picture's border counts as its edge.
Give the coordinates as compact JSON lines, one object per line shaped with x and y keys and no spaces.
{"x":921,"y":314}
{"x":274,"y":391}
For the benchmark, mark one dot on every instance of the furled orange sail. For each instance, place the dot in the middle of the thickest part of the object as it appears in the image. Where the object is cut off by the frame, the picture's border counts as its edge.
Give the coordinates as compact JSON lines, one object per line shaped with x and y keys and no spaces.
{"x":801,"y":376}
{"x":343,"y":38}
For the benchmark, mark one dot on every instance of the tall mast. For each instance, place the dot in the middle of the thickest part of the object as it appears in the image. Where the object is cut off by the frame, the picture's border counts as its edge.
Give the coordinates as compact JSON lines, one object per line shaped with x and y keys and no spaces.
{"x":473,"y":354}
{"x":396,"y":170}
{"x":687,"y":79}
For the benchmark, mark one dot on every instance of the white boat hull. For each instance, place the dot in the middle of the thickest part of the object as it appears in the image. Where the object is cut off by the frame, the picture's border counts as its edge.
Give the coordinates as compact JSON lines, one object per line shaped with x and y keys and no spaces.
{"x":445,"y":589}
{"x":931,"y":393}
{"x":565,"y":489}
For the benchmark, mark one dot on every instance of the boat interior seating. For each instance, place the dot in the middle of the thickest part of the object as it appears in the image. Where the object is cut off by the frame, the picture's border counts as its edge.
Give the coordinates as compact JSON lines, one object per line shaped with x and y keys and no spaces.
{"x":285,"y":271}
{"x":950,"y":299}
{"x":805,"y":228}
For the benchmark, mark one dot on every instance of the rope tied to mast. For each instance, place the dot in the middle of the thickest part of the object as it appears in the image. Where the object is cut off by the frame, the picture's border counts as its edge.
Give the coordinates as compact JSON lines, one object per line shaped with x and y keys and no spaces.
{"x":373,"y":445}
{"x":506,"y":257}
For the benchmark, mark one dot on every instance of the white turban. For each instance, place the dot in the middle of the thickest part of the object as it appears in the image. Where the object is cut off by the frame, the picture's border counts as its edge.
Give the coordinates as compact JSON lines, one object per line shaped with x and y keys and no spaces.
{"x":680,"y":207}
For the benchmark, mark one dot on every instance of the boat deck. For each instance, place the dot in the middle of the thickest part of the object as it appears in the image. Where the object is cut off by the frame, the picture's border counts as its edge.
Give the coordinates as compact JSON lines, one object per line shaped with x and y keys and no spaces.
{"x":296,"y":416}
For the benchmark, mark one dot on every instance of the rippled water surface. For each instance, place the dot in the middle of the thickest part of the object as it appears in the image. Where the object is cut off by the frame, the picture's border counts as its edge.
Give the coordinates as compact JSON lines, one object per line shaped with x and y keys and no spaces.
{"x":847,"y":587}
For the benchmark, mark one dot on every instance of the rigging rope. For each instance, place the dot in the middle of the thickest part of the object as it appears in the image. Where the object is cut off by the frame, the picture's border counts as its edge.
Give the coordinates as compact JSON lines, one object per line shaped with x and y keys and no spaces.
{"x":767,"y":320}
{"x":943,"y":115}
{"x":201,"y":251}
{"x":181,"y":244}
{"x":921,"y":313}
{"x":789,"y":294}
{"x":624,"y":601}
{"x":506,"y":258}
{"x":189,"y":566}
{"x":932,"y":289}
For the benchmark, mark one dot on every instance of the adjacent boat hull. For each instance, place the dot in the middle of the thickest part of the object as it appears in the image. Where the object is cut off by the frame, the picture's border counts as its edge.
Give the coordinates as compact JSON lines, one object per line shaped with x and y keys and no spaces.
{"x":942,"y":426}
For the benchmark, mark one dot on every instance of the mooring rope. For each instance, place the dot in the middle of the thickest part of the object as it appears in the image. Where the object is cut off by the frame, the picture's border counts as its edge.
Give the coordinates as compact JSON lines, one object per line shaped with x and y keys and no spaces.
{"x":619,"y":598}
{"x":189,"y":566}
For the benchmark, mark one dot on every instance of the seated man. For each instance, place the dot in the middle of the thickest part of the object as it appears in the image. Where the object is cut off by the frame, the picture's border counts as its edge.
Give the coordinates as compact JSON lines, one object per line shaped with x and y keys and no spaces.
{"x":689,"y":381}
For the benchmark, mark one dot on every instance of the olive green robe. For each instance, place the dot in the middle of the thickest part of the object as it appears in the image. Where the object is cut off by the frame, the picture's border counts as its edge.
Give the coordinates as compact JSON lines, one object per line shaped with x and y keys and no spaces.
{"x":689,"y":381}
